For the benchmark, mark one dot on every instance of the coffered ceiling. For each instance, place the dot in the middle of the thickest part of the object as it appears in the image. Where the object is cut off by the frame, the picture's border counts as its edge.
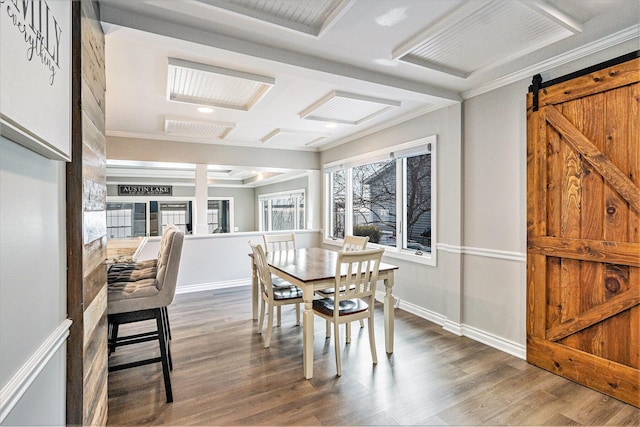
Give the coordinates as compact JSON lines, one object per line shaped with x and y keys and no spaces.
{"x":312,"y":74}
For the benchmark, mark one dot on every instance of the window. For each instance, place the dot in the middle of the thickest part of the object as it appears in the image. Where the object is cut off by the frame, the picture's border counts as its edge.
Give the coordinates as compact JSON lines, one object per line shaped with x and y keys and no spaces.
{"x":163,"y":213}
{"x":282,"y":211}
{"x":374,"y":201}
{"x":219,"y":217}
{"x":338,"y":198}
{"x":126,"y":219}
{"x":387,"y":195}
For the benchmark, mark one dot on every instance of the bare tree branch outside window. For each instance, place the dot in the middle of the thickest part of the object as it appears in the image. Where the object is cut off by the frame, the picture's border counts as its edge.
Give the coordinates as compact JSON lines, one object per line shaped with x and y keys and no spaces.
{"x":419,"y":202}
{"x":374,"y":201}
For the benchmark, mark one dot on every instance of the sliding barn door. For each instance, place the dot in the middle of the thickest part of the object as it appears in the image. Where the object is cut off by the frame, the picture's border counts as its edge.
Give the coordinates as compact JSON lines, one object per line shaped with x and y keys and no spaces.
{"x":583,"y":220}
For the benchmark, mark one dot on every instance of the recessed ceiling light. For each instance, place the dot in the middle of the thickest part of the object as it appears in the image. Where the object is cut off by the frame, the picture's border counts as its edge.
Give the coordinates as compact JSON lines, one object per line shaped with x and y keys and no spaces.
{"x":331,"y":125}
{"x":392,"y":17}
{"x":205,"y":109}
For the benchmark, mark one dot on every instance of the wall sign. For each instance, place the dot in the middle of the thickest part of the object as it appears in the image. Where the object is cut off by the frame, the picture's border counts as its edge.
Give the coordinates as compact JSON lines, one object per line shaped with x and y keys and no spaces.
{"x":145,"y":190}
{"x":35,"y":75}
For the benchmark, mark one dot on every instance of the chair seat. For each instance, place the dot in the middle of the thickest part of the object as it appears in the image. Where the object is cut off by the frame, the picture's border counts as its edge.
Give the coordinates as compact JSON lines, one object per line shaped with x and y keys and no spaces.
{"x":128,"y":283}
{"x":330,"y":291}
{"x":291,"y":292}
{"x":351,"y":306}
{"x":278,"y":282}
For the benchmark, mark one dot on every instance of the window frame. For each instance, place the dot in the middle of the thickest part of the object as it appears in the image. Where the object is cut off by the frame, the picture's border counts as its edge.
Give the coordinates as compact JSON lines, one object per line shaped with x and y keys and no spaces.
{"x":269,"y":197}
{"x":399,"y":152}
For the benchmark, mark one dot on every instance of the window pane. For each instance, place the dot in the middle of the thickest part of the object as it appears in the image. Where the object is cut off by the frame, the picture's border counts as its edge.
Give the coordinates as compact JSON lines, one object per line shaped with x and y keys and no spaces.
{"x":418,"y":218}
{"x":338,"y":196}
{"x":176,"y":213}
{"x":265,"y":215}
{"x":283,"y":214}
{"x":218,"y":216}
{"x":126,"y":219}
{"x":374,"y":202}
{"x":301,"y":224}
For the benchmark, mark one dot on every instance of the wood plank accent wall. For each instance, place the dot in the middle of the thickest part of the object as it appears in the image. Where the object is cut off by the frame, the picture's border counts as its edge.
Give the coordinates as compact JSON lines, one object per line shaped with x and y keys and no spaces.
{"x":86,"y":225}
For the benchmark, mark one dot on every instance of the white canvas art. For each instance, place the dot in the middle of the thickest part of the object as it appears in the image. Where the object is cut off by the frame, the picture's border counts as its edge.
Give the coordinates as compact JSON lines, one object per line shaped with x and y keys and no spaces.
{"x":35,"y":75}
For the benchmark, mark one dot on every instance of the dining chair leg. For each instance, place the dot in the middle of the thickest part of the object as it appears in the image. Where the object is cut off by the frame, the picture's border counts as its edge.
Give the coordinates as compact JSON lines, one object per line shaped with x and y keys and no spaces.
{"x":361,"y":323}
{"x":267,"y":338}
{"x":279,"y":310}
{"x":372,"y":341}
{"x":113,"y":336}
{"x":336,"y":339}
{"x":347,"y":327}
{"x":261,"y":321}
{"x":167,"y":334}
{"x":165,"y":311}
{"x":327,"y":334}
{"x":297,"y":314}
{"x":164,"y":357}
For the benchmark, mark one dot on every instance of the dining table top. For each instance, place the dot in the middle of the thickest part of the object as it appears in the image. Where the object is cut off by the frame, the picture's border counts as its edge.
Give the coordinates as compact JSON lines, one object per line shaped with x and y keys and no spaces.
{"x":311,"y":264}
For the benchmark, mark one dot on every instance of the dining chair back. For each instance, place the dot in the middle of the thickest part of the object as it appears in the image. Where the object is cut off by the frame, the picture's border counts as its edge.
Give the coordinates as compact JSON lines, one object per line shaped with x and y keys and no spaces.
{"x":279,"y":242}
{"x":354,"y":295}
{"x":350,"y":244}
{"x":355,"y":243}
{"x":272,"y":297}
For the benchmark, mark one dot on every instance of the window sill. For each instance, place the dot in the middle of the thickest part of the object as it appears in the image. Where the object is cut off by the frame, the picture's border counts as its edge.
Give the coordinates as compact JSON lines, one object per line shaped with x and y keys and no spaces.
{"x":426,"y":258}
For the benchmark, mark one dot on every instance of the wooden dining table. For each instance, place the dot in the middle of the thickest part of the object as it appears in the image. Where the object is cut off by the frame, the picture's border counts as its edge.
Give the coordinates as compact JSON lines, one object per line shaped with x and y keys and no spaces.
{"x":311,"y":269}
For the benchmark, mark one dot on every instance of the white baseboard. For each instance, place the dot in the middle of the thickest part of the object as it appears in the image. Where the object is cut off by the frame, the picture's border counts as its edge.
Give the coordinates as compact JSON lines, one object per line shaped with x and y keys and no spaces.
{"x":453,"y":327}
{"x":423,"y":313}
{"x":499,"y":343}
{"x":510,"y":347}
{"x":12,"y":392}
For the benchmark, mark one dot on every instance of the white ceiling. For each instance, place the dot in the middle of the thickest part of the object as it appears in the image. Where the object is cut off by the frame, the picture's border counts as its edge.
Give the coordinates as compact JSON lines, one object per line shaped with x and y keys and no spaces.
{"x":277,"y":72}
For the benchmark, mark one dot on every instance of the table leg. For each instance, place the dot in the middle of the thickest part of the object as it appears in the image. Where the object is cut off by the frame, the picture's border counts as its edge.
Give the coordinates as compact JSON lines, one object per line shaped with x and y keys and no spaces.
{"x":254,"y":290}
{"x":307,"y":332}
{"x":388,"y":312}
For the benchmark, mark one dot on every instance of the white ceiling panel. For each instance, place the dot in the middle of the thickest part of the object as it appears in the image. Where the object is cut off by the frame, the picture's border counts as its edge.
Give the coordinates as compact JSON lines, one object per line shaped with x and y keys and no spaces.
{"x":204,"y":84}
{"x":481,"y":35}
{"x":306,"y":16}
{"x":347,"y":108}
{"x":203,"y":129}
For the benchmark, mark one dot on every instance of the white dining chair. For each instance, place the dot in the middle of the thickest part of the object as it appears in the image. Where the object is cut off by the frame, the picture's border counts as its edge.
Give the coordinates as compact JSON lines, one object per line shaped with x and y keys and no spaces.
{"x":277,"y":243}
{"x":350,"y":243}
{"x":354,"y":295}
{"x":355,"y":243}
{"x":272,"y":297}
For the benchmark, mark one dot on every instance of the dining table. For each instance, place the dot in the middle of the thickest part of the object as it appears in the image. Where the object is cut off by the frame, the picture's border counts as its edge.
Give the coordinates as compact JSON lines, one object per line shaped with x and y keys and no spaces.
{"x":312,"y":269}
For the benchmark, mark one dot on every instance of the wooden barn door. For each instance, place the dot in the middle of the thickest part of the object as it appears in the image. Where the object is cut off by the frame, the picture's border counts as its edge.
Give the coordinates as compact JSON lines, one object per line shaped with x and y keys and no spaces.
{"x":583,"y":220}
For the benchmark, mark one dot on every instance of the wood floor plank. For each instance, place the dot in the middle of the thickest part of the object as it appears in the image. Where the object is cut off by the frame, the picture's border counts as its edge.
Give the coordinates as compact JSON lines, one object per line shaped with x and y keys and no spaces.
{"x":223,"y":376}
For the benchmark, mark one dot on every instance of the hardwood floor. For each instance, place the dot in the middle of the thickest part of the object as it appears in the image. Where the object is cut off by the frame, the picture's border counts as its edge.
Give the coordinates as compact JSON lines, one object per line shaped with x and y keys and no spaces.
{"x":223,"y":376}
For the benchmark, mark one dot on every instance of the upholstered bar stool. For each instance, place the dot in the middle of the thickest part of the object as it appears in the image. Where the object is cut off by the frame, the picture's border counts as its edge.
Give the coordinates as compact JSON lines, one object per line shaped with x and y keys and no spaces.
{"x":141,"y":292}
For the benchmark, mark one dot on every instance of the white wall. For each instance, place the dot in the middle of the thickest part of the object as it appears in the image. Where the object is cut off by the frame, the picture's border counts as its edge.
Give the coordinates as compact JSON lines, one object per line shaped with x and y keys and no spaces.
{"x":218,"y":260}
{"x":32,"y":287}
{"x":495,"y":167}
